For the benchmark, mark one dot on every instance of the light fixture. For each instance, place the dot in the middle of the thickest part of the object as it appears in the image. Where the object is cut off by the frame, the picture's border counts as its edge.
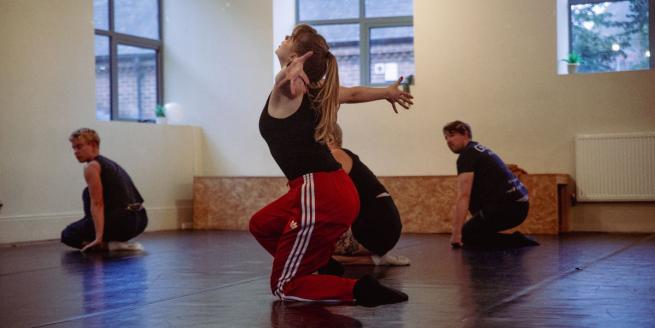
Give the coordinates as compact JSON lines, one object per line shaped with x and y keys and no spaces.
{"x":174,"y":113}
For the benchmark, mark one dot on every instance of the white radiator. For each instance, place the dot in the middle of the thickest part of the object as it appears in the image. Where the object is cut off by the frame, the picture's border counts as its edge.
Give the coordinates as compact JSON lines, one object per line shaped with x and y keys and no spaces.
{"x":615,"y":167}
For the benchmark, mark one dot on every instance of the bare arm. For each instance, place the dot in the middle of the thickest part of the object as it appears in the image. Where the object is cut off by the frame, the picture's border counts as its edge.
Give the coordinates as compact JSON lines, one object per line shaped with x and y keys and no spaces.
{"x":353,"y":95}
{"x":290,"y":84}
{"x":354,"y":260}
{"x":343,"y":159}
{"x":292,"y":81}
{"x":92,"y":177}
{"x":460,"y":211}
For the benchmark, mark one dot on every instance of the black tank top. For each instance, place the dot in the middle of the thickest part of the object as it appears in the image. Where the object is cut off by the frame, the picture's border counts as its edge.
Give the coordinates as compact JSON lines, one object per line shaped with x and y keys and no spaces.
{"x":365,"y":181}
{"x":118,"y":190}
{"x":291,"y":142}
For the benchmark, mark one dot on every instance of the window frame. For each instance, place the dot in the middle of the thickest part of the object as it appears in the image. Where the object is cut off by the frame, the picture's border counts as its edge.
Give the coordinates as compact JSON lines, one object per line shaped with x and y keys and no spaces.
{"x":116,"y":39}
{"x":651,"y":25}
{"x":365,"y":25}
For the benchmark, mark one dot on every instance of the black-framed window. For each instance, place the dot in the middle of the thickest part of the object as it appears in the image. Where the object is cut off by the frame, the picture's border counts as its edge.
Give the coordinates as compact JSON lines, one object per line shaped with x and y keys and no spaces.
{"x":128,"y":59}
{"x":373,"y":40}
{"x":612,"y":35}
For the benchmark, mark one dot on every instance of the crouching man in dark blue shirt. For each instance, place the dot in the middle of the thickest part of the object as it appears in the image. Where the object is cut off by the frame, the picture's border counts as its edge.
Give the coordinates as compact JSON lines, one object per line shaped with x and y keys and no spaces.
{"x":487,"y":189}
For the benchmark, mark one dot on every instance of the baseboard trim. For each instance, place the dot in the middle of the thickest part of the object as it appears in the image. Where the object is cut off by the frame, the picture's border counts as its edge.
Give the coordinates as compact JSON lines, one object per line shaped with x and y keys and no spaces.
{"x":41,"y":216}
{"x":48,"y":226}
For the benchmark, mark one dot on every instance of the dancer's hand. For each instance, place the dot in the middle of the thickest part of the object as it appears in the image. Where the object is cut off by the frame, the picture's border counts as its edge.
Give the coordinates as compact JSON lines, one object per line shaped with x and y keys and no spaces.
{"x":296,"y":77}
{"x":91,"y":245}
{"x":396,"y":95}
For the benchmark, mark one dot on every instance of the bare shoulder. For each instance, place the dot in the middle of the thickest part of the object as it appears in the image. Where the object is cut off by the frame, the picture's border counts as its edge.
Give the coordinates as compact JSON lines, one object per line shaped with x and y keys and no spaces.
{"x":92,"y":165}
{"x":339,"y":153}
{"x":343,"y":158}
{"x":91,"y":169}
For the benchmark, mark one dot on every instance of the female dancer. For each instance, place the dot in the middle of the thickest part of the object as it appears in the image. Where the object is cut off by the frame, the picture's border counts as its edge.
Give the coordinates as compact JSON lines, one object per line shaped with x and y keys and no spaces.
{"x":301,"y":228}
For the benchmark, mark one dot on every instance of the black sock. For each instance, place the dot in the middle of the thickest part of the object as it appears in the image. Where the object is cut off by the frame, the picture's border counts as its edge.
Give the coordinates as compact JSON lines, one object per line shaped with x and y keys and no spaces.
{"x":369,"y":292}
{"x":332,"y":268}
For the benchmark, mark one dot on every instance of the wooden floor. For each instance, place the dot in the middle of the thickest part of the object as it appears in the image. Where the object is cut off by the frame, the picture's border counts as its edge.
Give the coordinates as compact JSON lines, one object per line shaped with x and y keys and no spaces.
{"x":220,"y":279}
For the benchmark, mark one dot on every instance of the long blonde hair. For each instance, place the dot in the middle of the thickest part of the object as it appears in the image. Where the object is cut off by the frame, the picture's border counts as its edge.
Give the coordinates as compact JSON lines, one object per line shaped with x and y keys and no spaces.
{"x":323,"y":94}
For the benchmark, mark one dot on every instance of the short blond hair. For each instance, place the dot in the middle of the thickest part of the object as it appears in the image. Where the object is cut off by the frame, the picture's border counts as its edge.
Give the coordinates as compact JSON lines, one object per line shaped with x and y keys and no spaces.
{"x":86,"y":134}
{"x":336,"y":136}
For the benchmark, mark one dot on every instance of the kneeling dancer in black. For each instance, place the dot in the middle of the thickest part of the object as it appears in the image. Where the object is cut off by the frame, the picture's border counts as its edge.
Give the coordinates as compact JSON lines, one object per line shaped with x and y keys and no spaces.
{"x":496,"y":199}
{"x":377,"y":228}
{"x":112,"y":205}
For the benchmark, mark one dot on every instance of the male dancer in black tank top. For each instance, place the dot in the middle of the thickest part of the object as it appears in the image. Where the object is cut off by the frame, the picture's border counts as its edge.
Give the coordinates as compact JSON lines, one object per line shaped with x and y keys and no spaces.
{"x":112,"y":205}
{"x":486,"y":188}
{"x":377,"y":228}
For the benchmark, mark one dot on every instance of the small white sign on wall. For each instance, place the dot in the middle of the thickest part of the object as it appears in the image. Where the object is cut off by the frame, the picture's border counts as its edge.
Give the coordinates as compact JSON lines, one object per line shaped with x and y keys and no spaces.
{"x":390,"y":71}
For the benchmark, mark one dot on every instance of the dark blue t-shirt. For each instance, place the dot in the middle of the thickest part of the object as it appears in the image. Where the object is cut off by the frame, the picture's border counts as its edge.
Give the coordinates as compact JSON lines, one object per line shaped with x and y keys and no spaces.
{"x":493,"y":182}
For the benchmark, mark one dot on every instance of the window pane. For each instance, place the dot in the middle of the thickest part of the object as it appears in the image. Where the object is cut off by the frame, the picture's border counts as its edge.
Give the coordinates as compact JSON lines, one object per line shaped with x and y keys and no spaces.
{"x":103,"y":86}
{"x":137,"y":83}
{"x":391,"y":53}
{"x":101,"y":14}
{"x":388,"y":8}
{"x":137,"y":17}
{"x":344,"y":44}
{"x":611,"y":36}
{"x":321,"y":9}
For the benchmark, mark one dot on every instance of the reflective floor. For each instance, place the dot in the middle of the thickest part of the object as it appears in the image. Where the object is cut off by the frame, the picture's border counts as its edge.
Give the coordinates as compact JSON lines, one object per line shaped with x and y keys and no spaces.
{"x":220,"y":279}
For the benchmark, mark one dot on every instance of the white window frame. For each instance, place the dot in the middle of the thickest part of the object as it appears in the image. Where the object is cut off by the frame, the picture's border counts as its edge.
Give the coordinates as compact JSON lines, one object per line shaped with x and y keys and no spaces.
{"x":365,"y":25}
{"x":120,"y":39}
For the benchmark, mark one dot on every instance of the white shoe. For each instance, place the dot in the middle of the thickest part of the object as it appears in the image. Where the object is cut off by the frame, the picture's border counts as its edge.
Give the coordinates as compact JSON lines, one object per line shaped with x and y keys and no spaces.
{"x":118,"y":246}
{"x":390,"y":260}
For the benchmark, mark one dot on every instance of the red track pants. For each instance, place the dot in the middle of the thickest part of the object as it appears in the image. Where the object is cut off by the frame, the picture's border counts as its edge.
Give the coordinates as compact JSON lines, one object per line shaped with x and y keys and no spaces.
{"x":300,"y":230}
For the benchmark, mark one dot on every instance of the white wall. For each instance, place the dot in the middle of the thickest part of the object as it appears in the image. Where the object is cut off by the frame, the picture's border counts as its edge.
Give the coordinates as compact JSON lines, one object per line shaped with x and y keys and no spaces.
{"x":492,"y":64}
{"x":46,"y":91}
{"x":218,"y":68}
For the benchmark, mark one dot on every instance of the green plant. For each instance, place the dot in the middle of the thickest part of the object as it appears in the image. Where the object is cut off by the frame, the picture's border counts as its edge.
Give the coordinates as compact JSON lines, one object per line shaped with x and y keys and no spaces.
{"x":409,"y":80}
{"x":159,"y":111}
{"x":573,"y":58}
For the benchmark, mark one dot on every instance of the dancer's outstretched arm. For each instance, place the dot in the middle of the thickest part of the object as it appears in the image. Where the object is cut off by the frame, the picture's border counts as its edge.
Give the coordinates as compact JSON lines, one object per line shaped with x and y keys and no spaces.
{"x":353,"y":95}
{"x":290,"y":85}
{"x":292,"y":81}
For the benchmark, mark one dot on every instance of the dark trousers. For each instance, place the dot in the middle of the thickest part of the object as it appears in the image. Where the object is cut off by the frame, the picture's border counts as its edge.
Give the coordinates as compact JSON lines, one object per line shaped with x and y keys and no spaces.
{"x":482,"y":230}
{"x":120,"y":225}
{"x":378,"y":225}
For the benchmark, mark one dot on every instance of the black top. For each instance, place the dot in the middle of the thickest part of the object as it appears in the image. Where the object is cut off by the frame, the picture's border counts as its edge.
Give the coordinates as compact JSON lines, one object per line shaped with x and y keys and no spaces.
{"x":118,"y":190}
{"x":493,"y":182}
{"x":365,"y":181}
{"x":291,"y":142}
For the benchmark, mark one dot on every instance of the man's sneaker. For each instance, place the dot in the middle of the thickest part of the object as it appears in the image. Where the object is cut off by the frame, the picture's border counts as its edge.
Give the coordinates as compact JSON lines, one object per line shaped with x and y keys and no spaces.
{"x":391,"y":260}
{"x":121,"y":246}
